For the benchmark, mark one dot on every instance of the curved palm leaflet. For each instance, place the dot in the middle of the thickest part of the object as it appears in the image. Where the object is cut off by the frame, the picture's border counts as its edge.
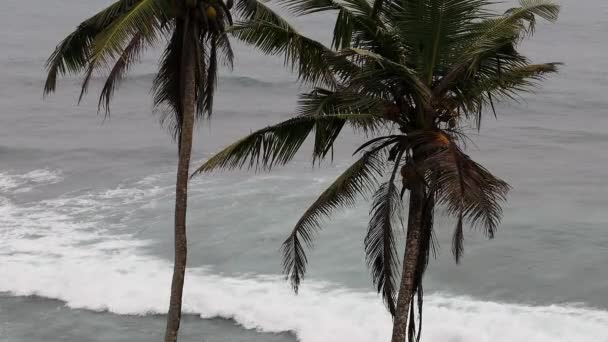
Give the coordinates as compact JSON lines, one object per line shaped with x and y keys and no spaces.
{"x":412,"y":75}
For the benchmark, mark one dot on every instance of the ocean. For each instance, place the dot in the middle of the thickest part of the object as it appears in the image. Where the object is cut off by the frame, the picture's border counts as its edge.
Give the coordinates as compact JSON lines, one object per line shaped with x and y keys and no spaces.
{"x":86,"y":207}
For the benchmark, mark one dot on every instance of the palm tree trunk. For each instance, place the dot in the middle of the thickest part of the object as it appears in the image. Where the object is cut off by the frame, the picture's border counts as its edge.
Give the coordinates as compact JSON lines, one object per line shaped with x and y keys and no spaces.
{"x":181,"y":193}
{"x":410,"y":262}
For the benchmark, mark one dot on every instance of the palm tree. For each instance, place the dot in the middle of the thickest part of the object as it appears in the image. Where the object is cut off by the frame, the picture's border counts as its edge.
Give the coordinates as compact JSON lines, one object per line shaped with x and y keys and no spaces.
{"x":195,"y":39}
{"x":414,"y":76}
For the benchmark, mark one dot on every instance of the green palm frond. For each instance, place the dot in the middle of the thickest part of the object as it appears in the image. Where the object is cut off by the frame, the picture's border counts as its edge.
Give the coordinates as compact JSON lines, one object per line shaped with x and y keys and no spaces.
{"x":276,"y":145}
{"x":467,"y":190}
{"x":226,"y":55}
{"x":254,"y":10}
{"x":167,"y":83}
{"x":343,"y":30}
{"x":529,"y":10}
{"x":490,"y":68}
{"x":209,"y":52}
{"x":72,"y":54}
{"x":474,"y":93}
{"x":515,"y":24}
{"x":353,"y":17}
{"x":146,"y":18}
{"x":380,"y":250}
{"x":509,"y":83}
{"x":432,"y":30}
{"x":268,"y":147}
{"x":322,"y":101}
{"x":360,"y":179}
{"x":130,"y":55}
{"x":304,"y":7}
{"x":380,"y":75}
{"x":276,"y":37}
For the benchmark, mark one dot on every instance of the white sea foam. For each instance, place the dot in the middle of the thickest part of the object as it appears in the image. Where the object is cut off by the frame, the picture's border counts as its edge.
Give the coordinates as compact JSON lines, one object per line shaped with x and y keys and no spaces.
{"x":49,"y":249}
{"x":18,"y":183}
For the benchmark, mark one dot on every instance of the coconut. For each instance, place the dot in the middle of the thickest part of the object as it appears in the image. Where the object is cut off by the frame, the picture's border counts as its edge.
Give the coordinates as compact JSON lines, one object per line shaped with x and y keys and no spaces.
{"x":211,"y":12}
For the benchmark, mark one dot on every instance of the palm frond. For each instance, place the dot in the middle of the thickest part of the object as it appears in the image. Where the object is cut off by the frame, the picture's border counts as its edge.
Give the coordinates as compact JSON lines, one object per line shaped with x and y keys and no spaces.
{"x":275,"y":145}
{"x":474,"y":93}
{"x":146,"y":18}
{"x":254,"y":10}
{"x":380,"y":250}
{"x":73,"y":53}
{"x":529,"y":10}
{"x":465,"y":188}
{"x":382,"y":73}
{"x":226,"y":55}
{"x":359,"y":179}
{"x":131,"y":54}
{"x":167,"y":83}
{"x":432,"y":30}
{"x":518,"y":79}
{"x":354,"y":18}
{"x":515,"y":24}
{"x":274,"y":36}
{"x":458,"y":239}
{"x":492,"y":41}
{"x":322,"y":101}
{"x":206,"y":98}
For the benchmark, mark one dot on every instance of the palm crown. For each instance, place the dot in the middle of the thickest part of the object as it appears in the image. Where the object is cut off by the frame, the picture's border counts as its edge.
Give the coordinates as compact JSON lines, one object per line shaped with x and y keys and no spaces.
{"x":111,"y":41}
{"x":413,"y":75}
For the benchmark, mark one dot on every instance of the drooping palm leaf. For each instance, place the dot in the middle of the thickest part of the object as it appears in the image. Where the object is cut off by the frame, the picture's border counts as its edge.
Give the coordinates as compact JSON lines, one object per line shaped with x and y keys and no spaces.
{"x":466,"y":189}
{"x":529,"y":10}
{"x":305,"y":56}
{"x":166,"y":84}
{"x":380,"y":250}
{"x":145,"y":18}
{"x":360,"y":179}
{"x":72,"y":54}
{"x":130,"y":55}
{"x":226,"y":55}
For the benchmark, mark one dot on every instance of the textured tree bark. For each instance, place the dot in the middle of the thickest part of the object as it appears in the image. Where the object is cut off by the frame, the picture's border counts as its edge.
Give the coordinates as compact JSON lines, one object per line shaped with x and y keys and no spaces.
{"x":181,"y":193}
{"x":410,"y":261}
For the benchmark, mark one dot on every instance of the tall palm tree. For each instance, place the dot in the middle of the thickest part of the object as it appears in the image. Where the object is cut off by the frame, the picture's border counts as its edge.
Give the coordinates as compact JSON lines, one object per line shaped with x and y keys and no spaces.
{"x":414,"y":76}
{"x":195,"y":39}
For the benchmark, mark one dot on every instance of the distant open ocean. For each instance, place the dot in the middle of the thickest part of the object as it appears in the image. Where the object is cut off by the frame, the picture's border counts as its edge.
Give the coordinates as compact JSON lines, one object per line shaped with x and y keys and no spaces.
{"x":86,"y":207}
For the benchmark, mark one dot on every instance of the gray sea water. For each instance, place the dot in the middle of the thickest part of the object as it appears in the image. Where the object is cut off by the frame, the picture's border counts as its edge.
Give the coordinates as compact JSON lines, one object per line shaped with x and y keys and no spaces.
{"x":86,"y":208}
